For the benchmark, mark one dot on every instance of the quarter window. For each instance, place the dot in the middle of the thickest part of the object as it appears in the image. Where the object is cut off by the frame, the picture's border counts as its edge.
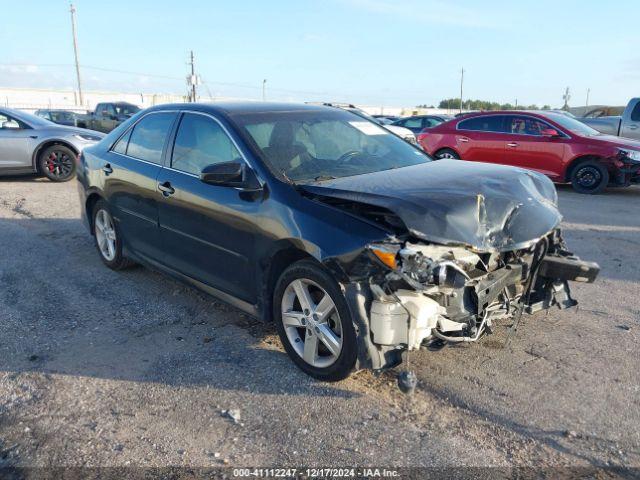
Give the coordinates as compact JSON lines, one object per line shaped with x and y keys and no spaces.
{"x":121,"y":145}
{"x":148,"y":137}
{"x":492,"y":123}
{"x":200,"y":142}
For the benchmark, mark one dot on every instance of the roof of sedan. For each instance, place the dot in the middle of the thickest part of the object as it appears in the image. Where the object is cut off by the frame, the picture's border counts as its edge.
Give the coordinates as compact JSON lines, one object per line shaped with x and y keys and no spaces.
{"x":244,"y":107}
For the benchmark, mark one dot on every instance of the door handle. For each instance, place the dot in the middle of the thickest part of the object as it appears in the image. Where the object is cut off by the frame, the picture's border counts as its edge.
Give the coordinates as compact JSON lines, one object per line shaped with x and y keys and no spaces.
{"x":166,"y":189}
{"x":33,"y":136}
{"x":512,"y":144}
{"x":107,"y":169}
{"x":632,"y":127}
{"x":464,"y":139}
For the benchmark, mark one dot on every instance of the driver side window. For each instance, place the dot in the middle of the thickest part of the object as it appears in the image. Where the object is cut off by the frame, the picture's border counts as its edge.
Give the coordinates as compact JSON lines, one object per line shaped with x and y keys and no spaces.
{"x":10,"y":123}
{"x":200,"y":142}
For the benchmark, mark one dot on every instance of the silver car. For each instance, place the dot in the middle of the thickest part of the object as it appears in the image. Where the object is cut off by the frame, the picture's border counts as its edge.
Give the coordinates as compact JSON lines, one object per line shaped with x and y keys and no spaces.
{"x":29,"y":144}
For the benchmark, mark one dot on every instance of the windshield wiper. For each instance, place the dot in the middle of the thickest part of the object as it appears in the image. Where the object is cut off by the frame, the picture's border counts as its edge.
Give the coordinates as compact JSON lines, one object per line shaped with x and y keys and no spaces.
{"x":320,"y":178}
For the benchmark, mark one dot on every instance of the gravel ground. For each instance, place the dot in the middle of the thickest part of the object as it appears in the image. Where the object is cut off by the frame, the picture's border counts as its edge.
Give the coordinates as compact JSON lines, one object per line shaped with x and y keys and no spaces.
{"x":102,"y":368}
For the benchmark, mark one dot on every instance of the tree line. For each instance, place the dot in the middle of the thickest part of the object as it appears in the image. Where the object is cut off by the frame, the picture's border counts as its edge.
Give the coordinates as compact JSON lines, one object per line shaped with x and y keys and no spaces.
{"x":454,"y":104}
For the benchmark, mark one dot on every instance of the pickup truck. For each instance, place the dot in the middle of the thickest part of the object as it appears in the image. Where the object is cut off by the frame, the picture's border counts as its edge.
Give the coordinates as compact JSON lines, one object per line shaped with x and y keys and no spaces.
{"x":107,"y":116}
{"x":627,"y":125}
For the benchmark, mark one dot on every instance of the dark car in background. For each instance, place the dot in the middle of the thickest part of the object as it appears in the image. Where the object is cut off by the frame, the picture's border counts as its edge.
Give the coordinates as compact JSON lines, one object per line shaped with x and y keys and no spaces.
{"x":61,"y":117}
{"x":562,"y":148}
{"x":353,"y":241}
{"x":418,"y":123}
{"x":107,"y":116}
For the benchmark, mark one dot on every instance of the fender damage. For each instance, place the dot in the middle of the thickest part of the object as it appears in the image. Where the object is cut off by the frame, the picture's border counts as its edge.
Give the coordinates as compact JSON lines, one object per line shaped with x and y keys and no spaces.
{"x":462,"y":252}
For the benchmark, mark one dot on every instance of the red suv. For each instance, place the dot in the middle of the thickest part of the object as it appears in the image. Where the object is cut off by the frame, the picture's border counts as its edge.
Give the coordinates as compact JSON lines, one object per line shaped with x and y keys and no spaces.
{"x":561,"y":147}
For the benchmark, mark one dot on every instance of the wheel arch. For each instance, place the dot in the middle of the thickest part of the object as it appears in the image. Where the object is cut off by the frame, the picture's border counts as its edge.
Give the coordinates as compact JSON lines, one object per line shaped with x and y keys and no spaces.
{"x":577,"y":161}
{"x":446,"y":148}
{"x":89,"y":204}
{"x":46,"y":144}
{"x":270,"y":271}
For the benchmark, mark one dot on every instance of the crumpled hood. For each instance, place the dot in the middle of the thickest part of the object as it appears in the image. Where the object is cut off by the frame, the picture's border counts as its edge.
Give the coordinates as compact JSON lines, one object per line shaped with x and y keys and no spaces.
{"x":485,"y":206}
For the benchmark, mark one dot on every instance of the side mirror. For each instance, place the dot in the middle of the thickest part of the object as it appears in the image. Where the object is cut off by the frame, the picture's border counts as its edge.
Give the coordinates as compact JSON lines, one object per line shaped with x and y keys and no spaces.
{"x":550,"y":132}
{"x":11,"y":125}
{"x":227,"y":174}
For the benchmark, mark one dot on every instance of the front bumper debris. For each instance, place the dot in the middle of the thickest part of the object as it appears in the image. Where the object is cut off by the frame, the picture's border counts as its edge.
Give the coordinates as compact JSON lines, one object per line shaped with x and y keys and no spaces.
{"x":454,"y":294}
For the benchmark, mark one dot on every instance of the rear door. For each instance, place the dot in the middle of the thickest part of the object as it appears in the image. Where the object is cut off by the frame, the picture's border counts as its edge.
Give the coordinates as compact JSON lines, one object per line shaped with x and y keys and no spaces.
{"x":15,"y":143}
{"x":130,"y":175}
{"x":481,"y":139}
{"x":208,"y":231}
{"x":527,"y":147}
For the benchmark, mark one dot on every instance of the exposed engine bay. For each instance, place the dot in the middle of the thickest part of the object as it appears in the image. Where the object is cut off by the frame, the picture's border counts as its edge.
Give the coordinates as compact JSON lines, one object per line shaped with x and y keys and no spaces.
{"x":453,"y":294}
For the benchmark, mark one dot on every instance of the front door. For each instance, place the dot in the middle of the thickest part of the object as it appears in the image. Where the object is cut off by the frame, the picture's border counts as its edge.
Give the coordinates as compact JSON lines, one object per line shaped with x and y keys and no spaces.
{"x":130,"y":172}
{"x":16,"y":139}
{"x":208,"y":231}
{"x":527,"y":147}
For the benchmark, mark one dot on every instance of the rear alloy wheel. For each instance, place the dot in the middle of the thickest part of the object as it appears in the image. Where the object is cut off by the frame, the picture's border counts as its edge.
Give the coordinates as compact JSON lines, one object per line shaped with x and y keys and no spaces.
{"x":589,"y":177}
{"x":107,"y":237}
{"x":447,"y":153}
{"x":58,"y":163}
{"x":314,"y":322}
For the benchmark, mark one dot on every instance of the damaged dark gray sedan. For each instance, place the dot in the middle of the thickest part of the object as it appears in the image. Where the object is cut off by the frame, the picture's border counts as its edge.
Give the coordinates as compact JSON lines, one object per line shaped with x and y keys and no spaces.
{"x":355,"y":243}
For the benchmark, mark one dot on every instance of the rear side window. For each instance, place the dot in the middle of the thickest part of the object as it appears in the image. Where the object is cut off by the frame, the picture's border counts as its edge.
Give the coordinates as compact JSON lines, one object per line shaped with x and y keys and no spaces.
{"x":493,"y":123}
{"x":148,"y":137}
{"x":200,"y":142}
{"x":635,"y":115}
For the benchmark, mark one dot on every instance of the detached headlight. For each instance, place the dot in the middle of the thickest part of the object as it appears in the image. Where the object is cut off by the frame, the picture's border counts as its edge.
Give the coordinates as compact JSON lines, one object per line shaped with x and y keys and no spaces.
{"x":631,"y":154}
{"x":87,"y":137}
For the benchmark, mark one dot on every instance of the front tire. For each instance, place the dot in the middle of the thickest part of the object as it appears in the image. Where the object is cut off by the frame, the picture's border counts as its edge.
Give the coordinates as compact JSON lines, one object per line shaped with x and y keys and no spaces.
{"x":589,"y":177}
{"x":447,"y":153}
{"x":108,"y":238}
{"x":314,"y":322}
{"x":57,"y":163}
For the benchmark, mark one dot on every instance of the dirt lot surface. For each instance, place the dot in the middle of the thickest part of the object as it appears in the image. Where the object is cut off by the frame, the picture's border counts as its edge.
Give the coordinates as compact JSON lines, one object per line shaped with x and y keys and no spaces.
{"x":102,"y":368}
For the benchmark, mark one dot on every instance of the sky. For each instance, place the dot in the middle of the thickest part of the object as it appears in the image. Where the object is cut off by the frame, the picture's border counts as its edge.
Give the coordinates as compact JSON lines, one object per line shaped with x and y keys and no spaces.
{"x":367,"y":52}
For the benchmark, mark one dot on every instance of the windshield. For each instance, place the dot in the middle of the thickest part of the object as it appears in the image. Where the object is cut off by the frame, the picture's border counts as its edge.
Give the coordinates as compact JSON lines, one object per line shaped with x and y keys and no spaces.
{"x":573,"y":125}
{"x":321,"y":145}
{"x":126,"y":109}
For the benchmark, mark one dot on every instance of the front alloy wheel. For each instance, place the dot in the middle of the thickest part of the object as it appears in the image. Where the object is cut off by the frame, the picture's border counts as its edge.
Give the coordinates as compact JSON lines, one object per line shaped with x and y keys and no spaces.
{"x":314,"y":322}
{"x":58,"y":163}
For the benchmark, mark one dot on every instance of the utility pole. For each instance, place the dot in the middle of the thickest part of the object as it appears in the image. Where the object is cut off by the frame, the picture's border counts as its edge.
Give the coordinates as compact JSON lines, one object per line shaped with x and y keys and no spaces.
{"x":264,"y":92}
{"x":566,"y":97}
{"x":588,"y":92}
{"x":75,"y":50}
{"x":461,"y":84}
{"x":192,"y":79}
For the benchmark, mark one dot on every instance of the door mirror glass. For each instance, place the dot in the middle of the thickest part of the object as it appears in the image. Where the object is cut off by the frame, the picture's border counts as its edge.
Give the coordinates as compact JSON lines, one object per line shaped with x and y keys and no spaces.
{"x":11,"y":125}
{"x":229,"y":174}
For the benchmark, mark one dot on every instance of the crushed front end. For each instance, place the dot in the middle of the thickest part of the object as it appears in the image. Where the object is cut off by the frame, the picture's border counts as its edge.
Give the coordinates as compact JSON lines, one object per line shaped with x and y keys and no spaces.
{"x":429,"y":294}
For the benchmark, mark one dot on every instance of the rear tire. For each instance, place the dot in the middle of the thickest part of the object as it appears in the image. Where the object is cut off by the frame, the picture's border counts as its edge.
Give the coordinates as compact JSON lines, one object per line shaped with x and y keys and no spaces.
{"x":57,"y":163}
{"x":108,"y":238}
{"x":447,"y":153}
{"x":326,"y":324}
{"x":590,"y":177}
